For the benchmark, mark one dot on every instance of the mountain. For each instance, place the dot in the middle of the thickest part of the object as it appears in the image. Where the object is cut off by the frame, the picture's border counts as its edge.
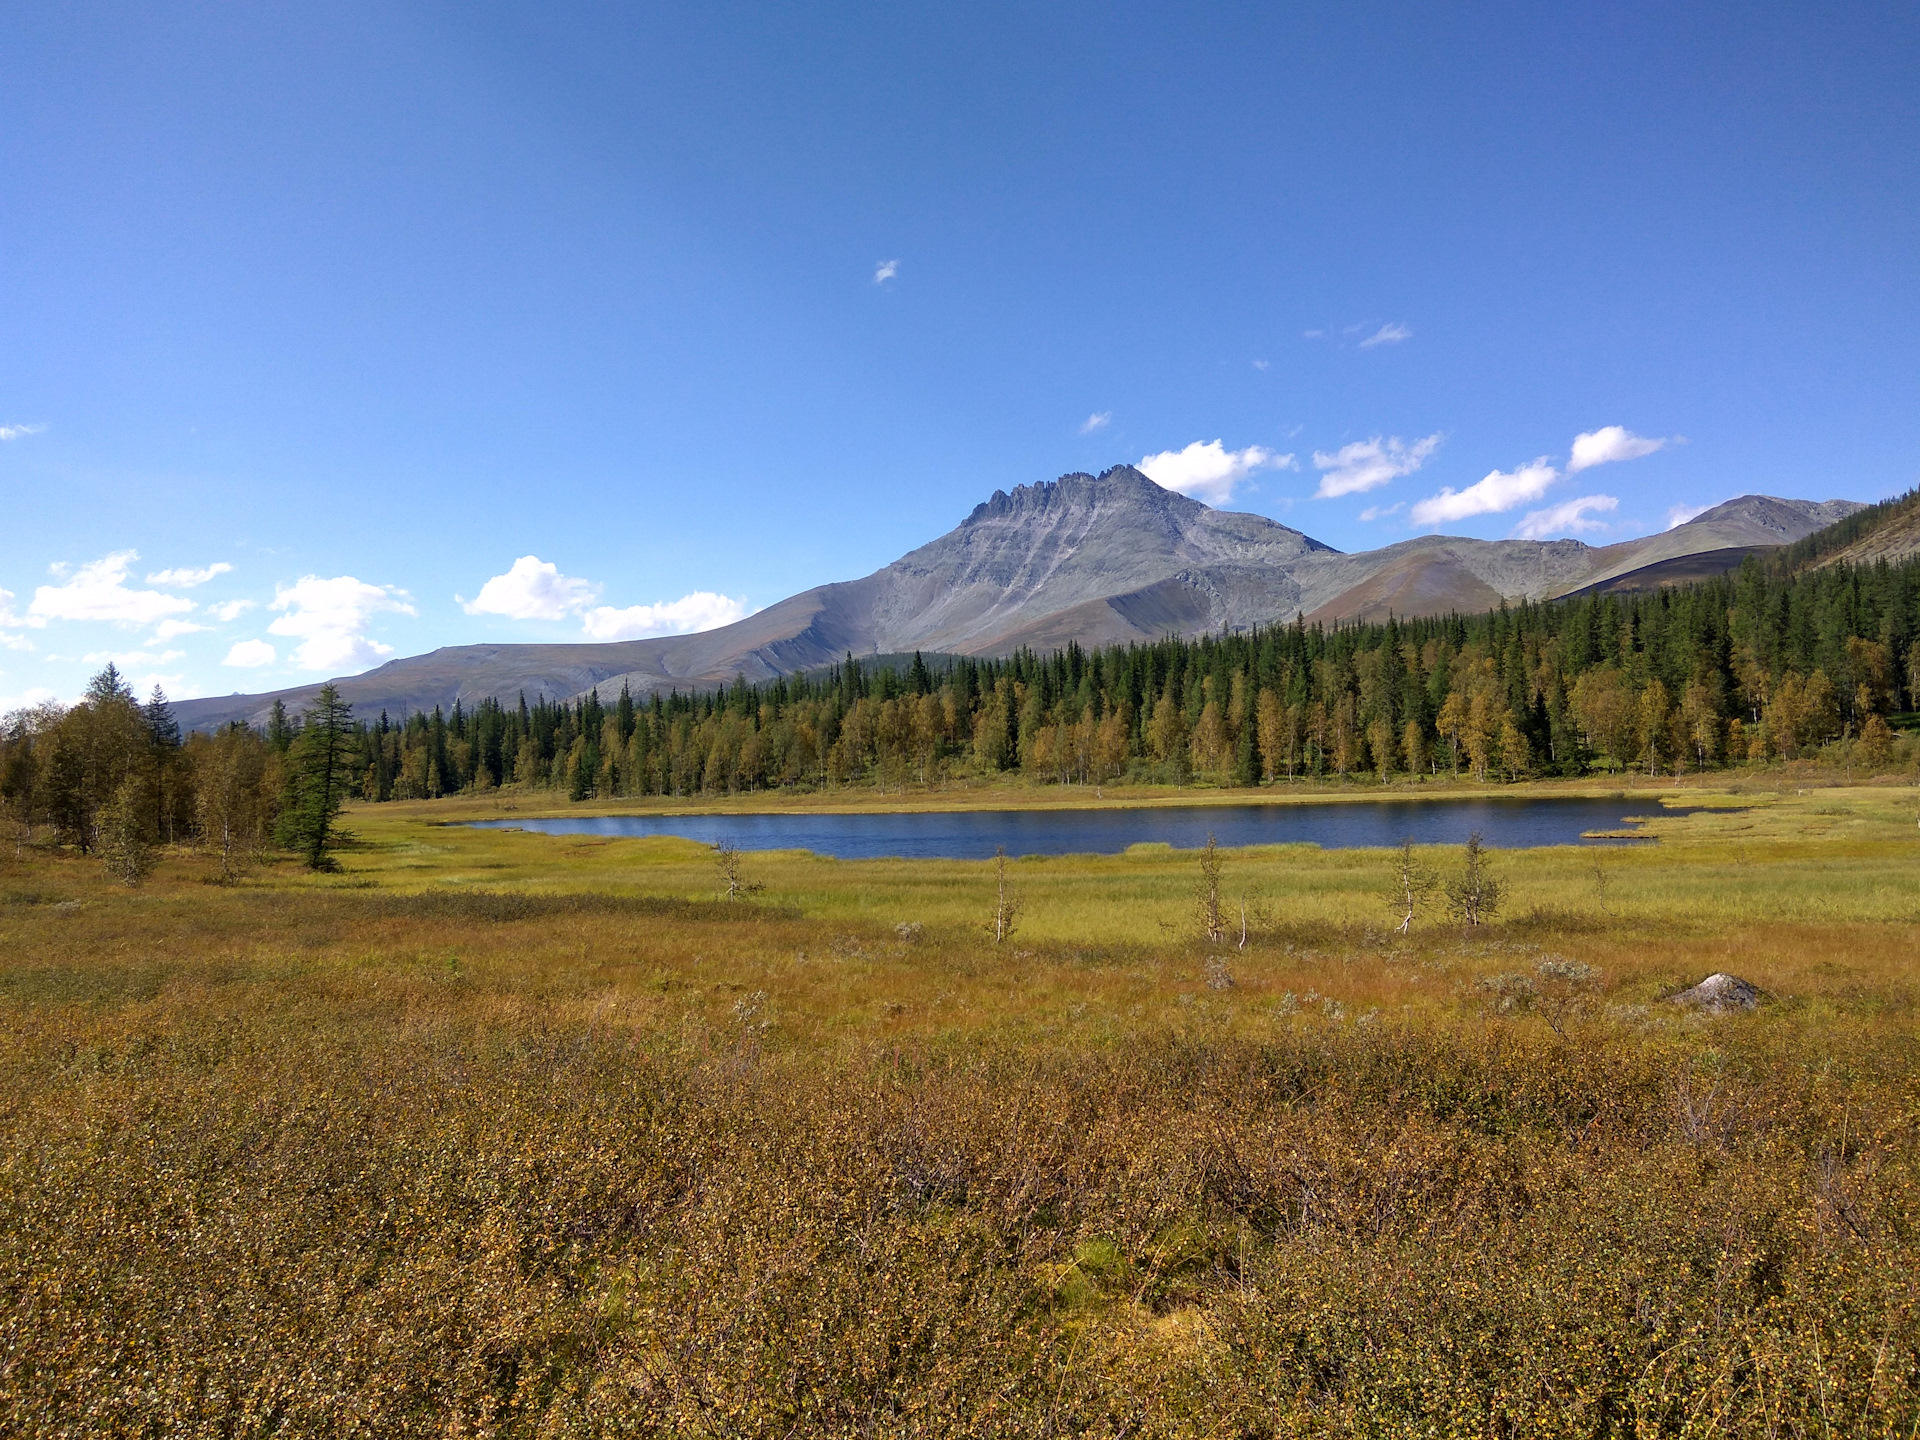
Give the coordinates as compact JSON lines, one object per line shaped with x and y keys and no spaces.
{"x":1889,"y":531}
{"x":1752,"y":522}
{"x":1099,"y":559}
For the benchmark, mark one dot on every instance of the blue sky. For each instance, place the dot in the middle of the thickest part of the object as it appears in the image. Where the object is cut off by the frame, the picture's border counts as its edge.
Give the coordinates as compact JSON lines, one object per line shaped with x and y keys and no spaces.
{"x":436,"y":324}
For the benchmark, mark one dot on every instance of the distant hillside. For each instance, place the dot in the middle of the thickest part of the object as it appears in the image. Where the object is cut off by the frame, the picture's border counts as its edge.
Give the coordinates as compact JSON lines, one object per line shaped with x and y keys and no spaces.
{"x":1099,"y":560}
{"x":1889,"y":531}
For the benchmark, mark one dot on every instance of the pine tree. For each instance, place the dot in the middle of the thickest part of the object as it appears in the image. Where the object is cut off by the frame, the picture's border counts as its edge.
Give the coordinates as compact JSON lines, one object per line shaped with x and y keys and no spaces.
{"x":109,"y":687}
{"x":279,"y":730}
{"x":319,"y":771}
{"x":163,"y":735}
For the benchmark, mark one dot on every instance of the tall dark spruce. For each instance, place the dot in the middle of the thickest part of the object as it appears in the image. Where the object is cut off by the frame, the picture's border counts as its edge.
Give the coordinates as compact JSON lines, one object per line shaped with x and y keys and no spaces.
{"x":319,"y":766}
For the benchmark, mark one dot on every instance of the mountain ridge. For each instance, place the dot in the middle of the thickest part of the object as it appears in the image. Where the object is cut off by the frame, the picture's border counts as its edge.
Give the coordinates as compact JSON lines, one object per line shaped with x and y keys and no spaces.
{"x":1100,"y":559}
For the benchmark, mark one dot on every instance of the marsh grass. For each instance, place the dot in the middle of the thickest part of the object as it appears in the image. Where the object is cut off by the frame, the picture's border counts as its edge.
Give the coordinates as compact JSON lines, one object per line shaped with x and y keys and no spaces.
{"x":512,"y":1134}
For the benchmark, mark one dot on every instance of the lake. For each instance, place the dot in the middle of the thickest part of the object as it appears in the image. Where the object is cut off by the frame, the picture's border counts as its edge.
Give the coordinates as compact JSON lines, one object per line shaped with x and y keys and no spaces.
{"x":974,"y":834}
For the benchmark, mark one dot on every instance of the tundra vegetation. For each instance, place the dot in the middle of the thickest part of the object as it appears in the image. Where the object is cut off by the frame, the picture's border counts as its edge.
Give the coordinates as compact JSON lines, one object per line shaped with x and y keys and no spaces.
{"x":499,"y":1133}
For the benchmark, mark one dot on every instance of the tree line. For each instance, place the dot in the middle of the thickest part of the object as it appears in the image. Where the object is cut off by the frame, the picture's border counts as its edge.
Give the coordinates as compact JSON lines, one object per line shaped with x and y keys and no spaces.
{"x":1758,"y":665}
{"x":114,"y":777}
{"x":1763,"y":664}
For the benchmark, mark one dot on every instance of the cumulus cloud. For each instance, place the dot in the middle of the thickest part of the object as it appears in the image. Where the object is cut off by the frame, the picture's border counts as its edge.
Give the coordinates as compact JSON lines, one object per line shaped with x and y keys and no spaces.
{"x":1099,"y":420}
{"x":127,"y":659}
{"x":98,"y":591}
{"x":702,"y":610}
{"x":186,"y":579}
{"x":34,"y":697}
{"x":1380,"y":512}
{"x":1500,"y":490}
{"x":532,"y":589}
{"x":230,"y":610}
{"x":885,"y":270}
{"x":11,"y":621}
{"x":17,"y":432}
{"x":1391,"y":334}
{"x":169,"y":629}
{"x":250,"y":654}
{"x":1369,"y":464}
{"x":1608,"y":444}
{"x":329,"y":617}
{"x":1208,"y":471}
{"x":1680,"y":514}
{"x":1567,"y":519}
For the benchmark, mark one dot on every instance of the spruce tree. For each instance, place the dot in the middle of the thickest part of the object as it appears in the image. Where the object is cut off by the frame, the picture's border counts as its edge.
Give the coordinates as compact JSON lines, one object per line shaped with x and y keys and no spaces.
{"x":279,"y":730}
{"x":319,"y":770}
{"x":163,"y":736}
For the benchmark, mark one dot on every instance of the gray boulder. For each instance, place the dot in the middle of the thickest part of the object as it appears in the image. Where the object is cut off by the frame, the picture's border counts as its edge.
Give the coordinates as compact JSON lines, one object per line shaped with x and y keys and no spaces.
{"x":1718,"y":994}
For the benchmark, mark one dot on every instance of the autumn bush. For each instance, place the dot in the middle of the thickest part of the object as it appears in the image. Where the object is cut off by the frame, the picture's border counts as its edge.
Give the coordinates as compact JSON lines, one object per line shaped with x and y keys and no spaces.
{"x":329,"y":1161}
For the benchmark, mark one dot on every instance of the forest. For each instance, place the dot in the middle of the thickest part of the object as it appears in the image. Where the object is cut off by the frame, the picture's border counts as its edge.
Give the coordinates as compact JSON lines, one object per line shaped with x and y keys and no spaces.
{"x":1761,"y":665}
{"x":1753,"y":667}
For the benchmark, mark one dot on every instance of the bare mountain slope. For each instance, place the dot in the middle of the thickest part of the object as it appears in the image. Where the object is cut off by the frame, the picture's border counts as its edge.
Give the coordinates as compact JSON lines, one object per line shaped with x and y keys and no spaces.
{"x":1098,"y":559}
{"x":1752,"y":520}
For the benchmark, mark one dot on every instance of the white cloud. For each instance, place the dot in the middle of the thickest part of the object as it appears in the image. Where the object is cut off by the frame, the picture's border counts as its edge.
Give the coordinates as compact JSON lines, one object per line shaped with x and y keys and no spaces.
{"x":172,"y":629}
{"x":330,"y":618}
{"x":1608,"y":444}
{"x":184,"y":579}
{"x":532,"y":589}
{"x":98,"y":591}
{"x":1391,"y":334}
{"x":11,"y":621}
{"x":230,"y":610}
{"x":1209,"y":471}
{"x":34,"y":695}
{"x":18,"y":432}
{"x":1569,"y":518}
{"x":1369,"y":464}
{"x":1099,"y":420}
{"x":1378,"y":512}
{"x":702,"y":610}
{"x":1313,"y":334}
{"x":1500,"y":490}
{"x":1680,"y":514}
{"x":885,"y":270}
{"x":250,"y":654}
{"x":126,"y":659}
{"x":1261,"y":364}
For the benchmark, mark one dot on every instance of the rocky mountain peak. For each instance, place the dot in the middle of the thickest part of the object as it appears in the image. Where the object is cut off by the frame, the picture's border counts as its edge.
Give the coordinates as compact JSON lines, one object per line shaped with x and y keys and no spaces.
{"x":1122,"y":485}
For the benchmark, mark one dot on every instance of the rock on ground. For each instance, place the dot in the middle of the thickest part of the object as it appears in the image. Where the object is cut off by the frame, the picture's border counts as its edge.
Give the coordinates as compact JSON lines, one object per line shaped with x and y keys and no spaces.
{"x":1719,"y":993}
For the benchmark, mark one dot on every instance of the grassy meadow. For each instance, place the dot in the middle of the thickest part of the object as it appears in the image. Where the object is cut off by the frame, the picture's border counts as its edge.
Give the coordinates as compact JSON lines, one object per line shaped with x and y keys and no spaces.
{"x":497,"y":1133}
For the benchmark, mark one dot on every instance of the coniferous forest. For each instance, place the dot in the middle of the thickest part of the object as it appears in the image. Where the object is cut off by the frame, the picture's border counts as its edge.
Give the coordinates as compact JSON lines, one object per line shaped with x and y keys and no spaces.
{"x":1760,"y":665}
{"x":1752,"y":667}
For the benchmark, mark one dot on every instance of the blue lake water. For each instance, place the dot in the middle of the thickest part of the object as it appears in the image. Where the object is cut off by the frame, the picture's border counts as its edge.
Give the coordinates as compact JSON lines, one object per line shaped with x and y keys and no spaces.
{"x":974,"y":834}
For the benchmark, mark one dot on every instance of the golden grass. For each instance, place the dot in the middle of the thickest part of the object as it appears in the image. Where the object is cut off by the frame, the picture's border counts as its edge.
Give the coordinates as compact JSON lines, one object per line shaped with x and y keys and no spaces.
{"x":500,"y":1133}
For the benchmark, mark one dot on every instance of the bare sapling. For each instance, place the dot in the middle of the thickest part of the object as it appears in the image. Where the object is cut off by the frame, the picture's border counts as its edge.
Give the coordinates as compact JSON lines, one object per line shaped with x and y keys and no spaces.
{"x":1006,"y":904}
{"x":733,"y":872}
{"x":1206,"y":895}
{"x":1474,"y":895}
{"x":1412,"y":886}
